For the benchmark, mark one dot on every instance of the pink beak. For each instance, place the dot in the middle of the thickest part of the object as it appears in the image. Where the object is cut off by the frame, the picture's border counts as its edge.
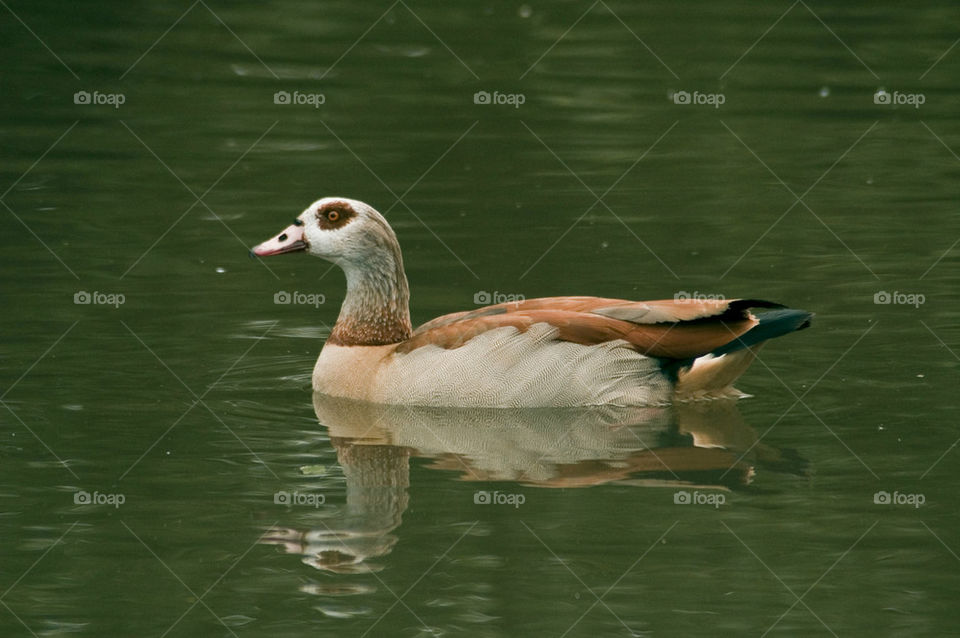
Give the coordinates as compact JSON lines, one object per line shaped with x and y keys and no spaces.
{"x":289,"y":241}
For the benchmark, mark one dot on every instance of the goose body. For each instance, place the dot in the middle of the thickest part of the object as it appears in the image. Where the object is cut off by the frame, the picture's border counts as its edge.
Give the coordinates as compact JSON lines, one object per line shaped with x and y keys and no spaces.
{"x":548,"y":352}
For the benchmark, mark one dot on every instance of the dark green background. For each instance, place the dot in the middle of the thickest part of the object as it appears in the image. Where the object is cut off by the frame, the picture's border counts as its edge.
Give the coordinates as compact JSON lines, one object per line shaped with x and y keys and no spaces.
{"x":494,"y":198}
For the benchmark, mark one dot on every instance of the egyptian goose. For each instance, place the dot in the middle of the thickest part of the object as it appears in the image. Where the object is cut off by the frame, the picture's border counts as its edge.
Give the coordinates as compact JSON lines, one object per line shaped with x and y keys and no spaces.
{"x":554,"y":351}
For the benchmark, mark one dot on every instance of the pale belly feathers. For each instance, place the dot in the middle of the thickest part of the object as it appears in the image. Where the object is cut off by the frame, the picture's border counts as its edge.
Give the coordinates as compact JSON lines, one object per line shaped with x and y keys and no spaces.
{"x":498,"y":368}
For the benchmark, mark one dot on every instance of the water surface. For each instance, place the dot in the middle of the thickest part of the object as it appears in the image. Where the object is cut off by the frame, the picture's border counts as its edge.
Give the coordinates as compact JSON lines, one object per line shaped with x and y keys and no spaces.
{"x":190,"y":402}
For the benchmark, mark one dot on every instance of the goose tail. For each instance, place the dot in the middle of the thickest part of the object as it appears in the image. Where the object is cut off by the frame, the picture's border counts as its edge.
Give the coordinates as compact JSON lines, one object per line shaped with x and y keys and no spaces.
{"x":712,"y":375}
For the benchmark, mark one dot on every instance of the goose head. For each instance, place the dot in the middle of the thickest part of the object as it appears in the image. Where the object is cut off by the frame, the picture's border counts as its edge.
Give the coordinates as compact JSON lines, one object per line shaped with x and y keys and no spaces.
{"x":343,"y":231}
{"x":354,"y":236}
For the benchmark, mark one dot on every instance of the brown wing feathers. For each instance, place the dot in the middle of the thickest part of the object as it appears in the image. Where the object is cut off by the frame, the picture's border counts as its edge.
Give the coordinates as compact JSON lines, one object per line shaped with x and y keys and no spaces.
{"x":672,"y":329}
{"x":659,"y":311}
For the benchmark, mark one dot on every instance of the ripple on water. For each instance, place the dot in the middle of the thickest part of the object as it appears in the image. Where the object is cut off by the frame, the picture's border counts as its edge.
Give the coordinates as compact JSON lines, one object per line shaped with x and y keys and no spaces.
{"x":343,"y":612}
{"x":337,"y":589}
{"x":290,"y":72}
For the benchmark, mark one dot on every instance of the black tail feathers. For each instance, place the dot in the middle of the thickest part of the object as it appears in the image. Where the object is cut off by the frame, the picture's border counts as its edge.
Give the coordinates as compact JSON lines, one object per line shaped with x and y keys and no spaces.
{"x":773,"y":323}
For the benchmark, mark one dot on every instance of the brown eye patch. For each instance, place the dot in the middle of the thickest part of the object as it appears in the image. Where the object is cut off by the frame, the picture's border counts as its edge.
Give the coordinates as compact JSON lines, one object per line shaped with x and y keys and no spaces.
{"x":335,"y":215}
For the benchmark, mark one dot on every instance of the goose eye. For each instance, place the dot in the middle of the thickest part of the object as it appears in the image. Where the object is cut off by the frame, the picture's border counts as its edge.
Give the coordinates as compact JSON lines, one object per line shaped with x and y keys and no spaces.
{"x":333,"y":215}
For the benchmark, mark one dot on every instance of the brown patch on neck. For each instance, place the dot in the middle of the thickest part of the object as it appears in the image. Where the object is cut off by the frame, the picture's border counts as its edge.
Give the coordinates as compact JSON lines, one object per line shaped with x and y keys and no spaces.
{"x":385,"y":329}
{"x":376,"y":309}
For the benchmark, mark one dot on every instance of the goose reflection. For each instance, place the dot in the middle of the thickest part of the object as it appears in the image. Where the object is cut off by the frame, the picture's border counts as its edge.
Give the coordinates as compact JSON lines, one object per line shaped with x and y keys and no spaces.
{"x":703,"y":445}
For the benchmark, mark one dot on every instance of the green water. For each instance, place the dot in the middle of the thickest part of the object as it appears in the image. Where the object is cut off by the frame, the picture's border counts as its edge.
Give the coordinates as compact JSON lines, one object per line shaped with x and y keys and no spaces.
{"x":190,"y":402}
